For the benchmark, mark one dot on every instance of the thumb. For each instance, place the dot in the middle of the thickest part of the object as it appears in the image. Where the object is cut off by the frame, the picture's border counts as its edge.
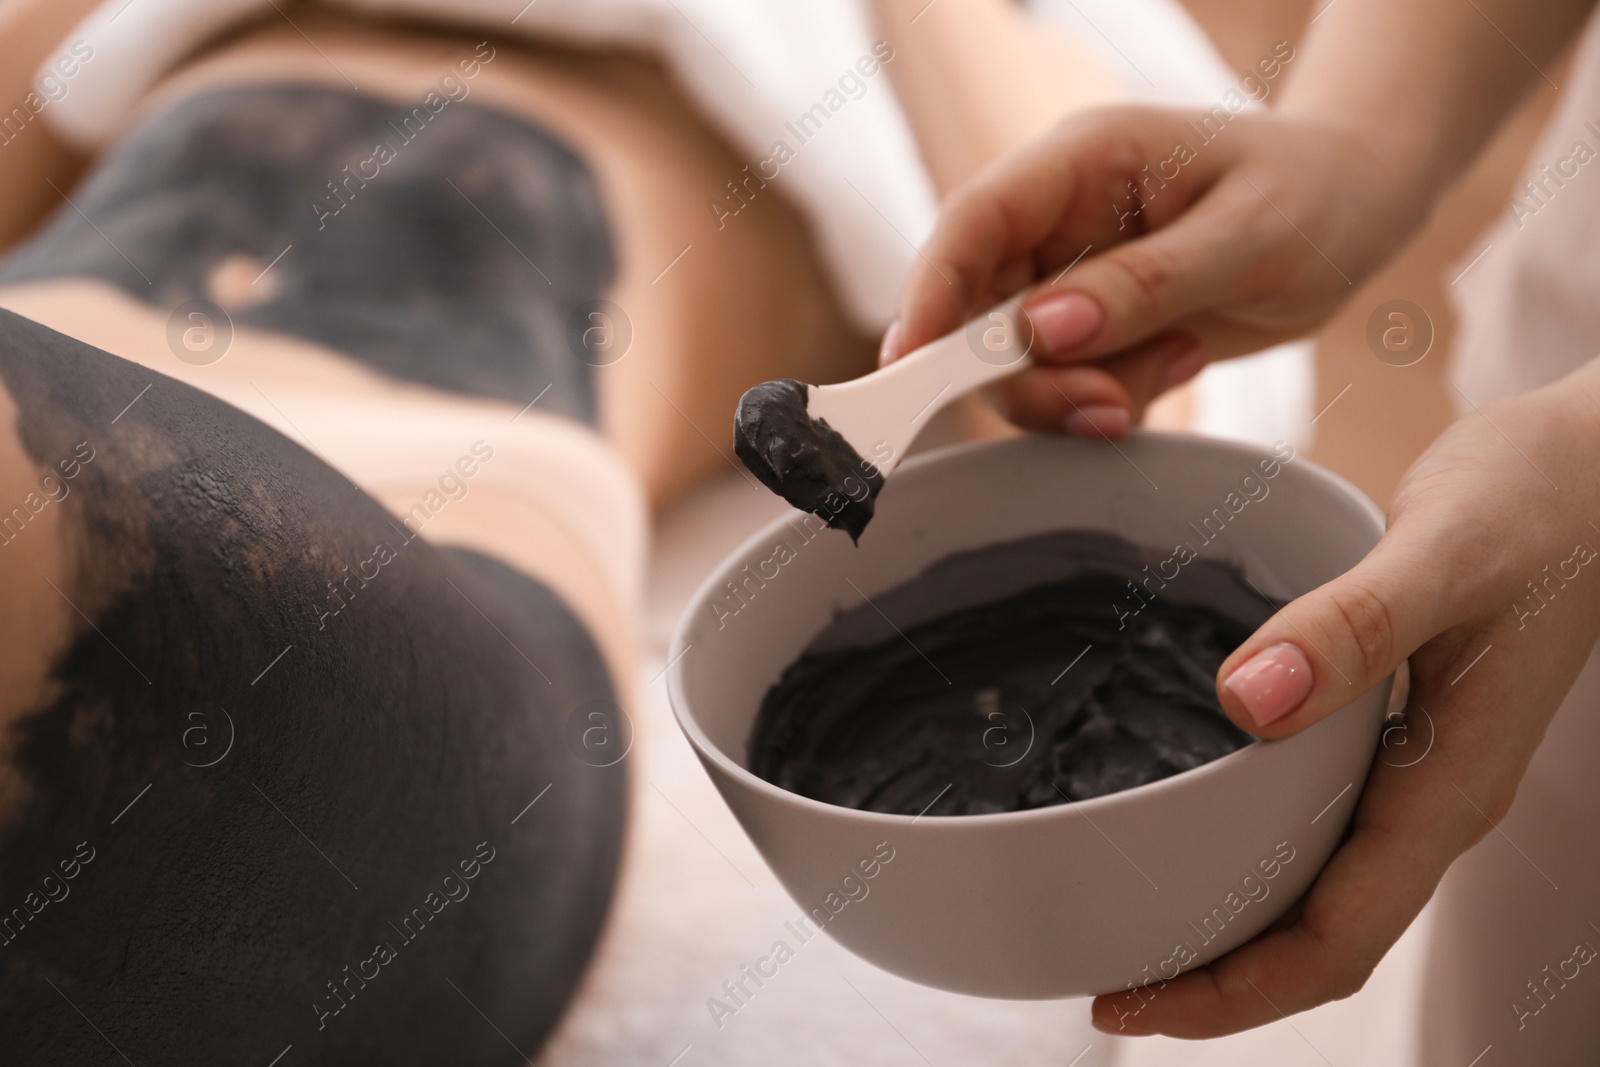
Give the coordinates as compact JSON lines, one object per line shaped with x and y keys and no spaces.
{"x":1134,"y":290}
{"x":1324,"y":650}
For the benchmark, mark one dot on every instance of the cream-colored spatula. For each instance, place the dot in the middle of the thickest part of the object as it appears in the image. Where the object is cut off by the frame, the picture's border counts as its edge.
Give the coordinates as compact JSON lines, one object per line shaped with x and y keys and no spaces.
{"x":827,"y":448}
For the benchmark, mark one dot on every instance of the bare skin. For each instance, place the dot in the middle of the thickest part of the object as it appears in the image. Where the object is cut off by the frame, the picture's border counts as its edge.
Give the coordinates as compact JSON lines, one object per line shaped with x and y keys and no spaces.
{"x":29,"y":31}
{"x":39,"y":618}
{"x":981,"y":78}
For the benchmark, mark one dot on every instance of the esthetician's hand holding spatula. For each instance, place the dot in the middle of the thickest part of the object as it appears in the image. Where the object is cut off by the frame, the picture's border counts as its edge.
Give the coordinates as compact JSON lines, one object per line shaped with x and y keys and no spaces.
{"x":1133,"y":278}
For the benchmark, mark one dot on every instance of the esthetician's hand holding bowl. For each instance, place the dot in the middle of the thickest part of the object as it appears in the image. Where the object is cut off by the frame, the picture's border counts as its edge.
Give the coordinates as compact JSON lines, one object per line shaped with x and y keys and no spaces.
{"x":1471,"y":524}
{"x":1212,"y":265}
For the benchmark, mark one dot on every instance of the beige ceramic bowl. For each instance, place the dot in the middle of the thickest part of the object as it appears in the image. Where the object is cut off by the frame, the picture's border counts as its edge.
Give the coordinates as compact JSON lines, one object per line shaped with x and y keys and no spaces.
{"x":1067,"y":900}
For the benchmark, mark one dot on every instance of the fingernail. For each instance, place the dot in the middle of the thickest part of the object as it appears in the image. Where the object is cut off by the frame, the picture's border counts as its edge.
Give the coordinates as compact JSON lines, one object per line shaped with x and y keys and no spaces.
{"x":1184,"y":367}
{"x":1098,"y":420}
{"x":891,"y":344}
{"x":1065,"y":321}
{"x":1272,"y":683}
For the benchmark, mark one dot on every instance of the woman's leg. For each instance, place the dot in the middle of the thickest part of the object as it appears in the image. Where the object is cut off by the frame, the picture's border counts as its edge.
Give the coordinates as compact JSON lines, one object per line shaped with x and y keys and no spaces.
{"x":33,"y":159}
{"x":983,"y":77}
{"x":275,"y":791}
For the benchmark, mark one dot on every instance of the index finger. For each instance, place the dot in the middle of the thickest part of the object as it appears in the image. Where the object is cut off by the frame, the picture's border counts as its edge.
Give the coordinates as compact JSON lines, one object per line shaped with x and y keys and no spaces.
{"x":1037,"y":210}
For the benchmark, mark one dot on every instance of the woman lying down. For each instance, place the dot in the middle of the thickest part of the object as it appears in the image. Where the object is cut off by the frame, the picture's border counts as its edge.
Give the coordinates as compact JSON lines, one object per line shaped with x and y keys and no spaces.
{"x":333,"y":400}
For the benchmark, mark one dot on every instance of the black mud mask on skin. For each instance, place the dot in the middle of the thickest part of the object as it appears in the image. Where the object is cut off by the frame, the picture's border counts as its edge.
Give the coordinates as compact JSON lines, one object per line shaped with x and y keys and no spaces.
{"x":1027,"y":674}
{"x":461,"y":263}
{"x":802,"y":459}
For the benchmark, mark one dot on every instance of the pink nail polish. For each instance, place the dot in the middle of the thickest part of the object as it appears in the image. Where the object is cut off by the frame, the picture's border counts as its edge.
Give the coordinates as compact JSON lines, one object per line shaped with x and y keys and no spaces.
{"x":1184,"y":367}
{"x":1272,"y":683}
{"x":1101,"y":421}
{"x":891,"y":343}
{"x":1065,"y":321}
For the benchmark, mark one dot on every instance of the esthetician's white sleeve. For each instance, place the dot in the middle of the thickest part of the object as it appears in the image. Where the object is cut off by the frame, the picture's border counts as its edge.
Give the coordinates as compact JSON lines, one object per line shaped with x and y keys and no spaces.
{"x":1518,"y":914}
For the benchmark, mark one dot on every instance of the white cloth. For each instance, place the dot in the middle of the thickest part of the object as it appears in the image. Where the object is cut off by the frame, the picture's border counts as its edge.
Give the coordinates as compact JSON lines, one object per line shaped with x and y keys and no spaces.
{"x":1528,"y":305}
{"x":1155,"y":46}
{"x":1528,"y":308}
